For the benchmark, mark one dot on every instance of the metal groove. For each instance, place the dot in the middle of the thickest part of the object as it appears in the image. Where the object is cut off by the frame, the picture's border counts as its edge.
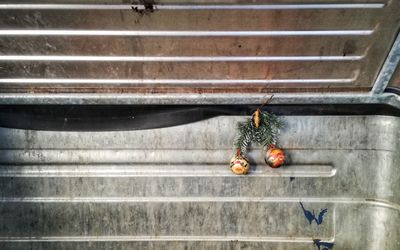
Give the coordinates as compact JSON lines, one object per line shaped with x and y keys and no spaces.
{"x":290,"y":239}
{"x":185,"y":33}
{"x":177,"y":58}
{"x":179,"y":199}
{"x":191,"y":6}
{"x":168,"y":81}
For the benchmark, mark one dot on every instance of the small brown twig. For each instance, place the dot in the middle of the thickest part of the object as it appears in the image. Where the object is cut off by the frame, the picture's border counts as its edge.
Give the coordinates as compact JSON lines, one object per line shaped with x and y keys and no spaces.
{"x":266,"y":102}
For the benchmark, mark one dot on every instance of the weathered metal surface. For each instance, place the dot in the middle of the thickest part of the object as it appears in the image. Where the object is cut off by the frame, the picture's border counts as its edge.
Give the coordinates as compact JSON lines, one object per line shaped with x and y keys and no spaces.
{"x":196,"y":47}
{"x":207,"y":98}
{"x":388,"y":70}
{"x":395,"y":82}
{"x":170,"y":188}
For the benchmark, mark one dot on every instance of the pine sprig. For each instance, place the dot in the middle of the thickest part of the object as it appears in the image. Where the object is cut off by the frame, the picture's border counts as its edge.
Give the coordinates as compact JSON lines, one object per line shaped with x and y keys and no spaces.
{"x":246,"y":135}
{"x":264,"y":135}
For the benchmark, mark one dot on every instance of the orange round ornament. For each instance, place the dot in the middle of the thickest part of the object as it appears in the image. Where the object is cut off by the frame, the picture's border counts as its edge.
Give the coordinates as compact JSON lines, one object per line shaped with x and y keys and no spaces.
{"x":275,"y":157}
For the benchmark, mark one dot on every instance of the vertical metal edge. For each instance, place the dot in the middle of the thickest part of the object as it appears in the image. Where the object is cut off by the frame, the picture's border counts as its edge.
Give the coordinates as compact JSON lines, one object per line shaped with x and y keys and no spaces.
{"x":388,"y":69}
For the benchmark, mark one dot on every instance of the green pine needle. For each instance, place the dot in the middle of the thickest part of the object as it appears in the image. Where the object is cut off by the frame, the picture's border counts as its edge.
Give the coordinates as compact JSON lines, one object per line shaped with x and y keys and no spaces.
{"x":264,"y":135}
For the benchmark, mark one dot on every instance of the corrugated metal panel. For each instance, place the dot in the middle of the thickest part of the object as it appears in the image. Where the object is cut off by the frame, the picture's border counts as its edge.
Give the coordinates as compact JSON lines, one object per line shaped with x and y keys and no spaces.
{"x":171,"y":188}
{"x":195,"y":46}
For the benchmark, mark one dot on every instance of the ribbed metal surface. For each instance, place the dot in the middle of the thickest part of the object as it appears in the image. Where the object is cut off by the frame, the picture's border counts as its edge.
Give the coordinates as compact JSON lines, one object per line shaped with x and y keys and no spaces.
{"x":171,"y":188}
{"x":194,"y":46}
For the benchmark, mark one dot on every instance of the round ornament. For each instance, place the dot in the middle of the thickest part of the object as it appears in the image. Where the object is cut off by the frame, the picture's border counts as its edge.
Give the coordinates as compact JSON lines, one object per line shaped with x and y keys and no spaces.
{"x":275,"y":157}
{"x":239,"y":164}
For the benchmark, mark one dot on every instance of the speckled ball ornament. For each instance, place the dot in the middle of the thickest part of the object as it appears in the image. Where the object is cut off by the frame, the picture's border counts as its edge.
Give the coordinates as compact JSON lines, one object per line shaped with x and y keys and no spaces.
{"x":275,"y":157}
{"x":239,"y":164}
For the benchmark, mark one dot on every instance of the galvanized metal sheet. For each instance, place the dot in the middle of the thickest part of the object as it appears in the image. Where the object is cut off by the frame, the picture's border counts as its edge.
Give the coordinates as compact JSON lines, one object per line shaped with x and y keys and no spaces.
{"x":260,"y":46}
{"x":387,"y":72}
{"x":171,"y":188}
{"x":395,"y":82}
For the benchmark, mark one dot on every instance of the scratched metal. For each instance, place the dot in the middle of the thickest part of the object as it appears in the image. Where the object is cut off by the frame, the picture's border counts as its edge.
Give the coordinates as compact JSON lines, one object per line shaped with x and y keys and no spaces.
{"x":170,"y":188}
{"x":194,"y":46}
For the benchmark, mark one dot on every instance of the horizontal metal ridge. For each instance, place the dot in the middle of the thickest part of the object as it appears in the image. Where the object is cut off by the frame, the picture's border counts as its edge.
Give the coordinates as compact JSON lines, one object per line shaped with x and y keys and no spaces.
{"x":176,"y":58}
{"x":195,"y":98}
{"x":193,"y":6}
{"x":160,"y":238}
{"x":159,"y":170}
{"x":180,"y":33}
{"x":168,"y":81}
{"x":179,"y":199}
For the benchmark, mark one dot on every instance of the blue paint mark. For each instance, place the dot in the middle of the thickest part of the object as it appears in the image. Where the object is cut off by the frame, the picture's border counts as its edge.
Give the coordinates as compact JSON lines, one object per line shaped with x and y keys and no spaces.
{"x":321,"y":216}
{"x":310,"y":216}
{"x":325,"y":245}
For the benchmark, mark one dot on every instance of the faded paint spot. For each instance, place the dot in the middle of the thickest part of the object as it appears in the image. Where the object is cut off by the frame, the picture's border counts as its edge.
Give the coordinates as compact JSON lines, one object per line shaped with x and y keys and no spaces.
{"x":349,"y":48}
